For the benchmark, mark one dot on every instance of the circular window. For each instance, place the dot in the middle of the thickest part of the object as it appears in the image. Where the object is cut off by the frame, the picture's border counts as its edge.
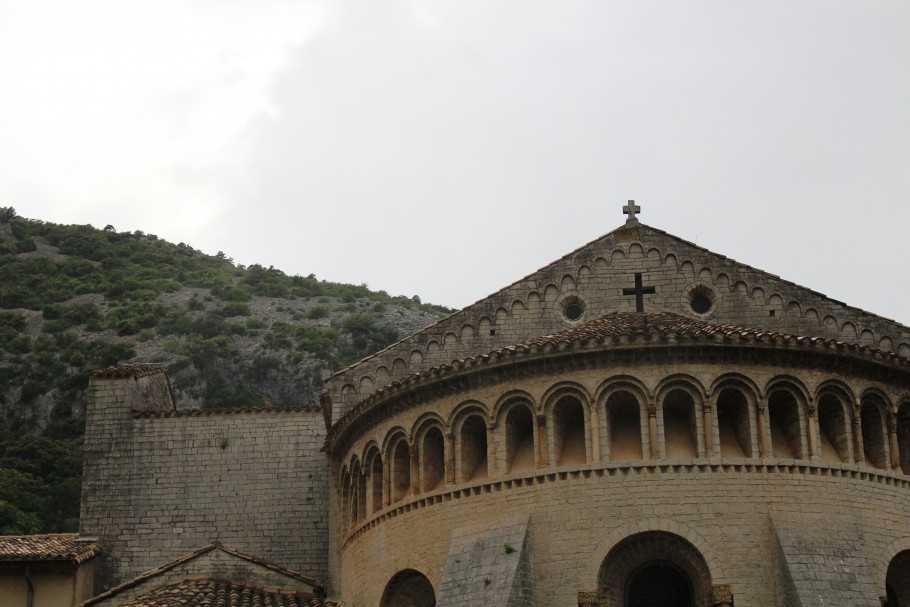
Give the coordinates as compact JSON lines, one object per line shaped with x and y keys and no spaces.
{"x":701,"y":304}
{"x":573,"y":311}
{"x":701,"y":299}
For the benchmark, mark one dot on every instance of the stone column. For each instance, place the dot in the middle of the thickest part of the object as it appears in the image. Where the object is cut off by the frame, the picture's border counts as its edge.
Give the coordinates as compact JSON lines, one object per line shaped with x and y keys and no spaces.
{"x":652,"y":430}
{"x":386,"y":483}
{"x":723,"y":596}
{"x":709,"y":428}
{"x":595,"y":434}
{"x":415,"y":472}
{"x":587,"y":598}
{"x":858,"y":451}
{"x":892,"y":443}
{"x":764,"y":442}
{"x":450,"y":458}
{"x":543,"y":456}
{"x":812,"y":422}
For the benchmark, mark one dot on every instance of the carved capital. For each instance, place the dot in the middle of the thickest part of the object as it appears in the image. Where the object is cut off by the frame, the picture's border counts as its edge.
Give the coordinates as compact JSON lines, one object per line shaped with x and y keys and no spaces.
{"x":723,"y":595}
{"x":587,"y":598}
{"x":542,"y":421}
{"x":811,"y":410}
{"x":760,"y":409}
{"x":652,"y":410}
{"x":707,"y":406}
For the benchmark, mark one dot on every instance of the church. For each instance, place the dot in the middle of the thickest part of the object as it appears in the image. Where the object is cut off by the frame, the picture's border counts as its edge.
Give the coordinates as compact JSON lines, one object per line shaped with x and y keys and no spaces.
{"x":642,"y":422}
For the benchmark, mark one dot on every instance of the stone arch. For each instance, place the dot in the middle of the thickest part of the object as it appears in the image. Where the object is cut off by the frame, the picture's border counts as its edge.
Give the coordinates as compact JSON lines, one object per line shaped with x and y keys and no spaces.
{"x":671,"y":260}
{"x":433,"y":347}
{"x":534,"y":299}
{"x":601,"y":264}
{"x":636,"y":250}
{"x":654,"y":253}
{"x":812,"y":315}
{"x":740,"y":287}
{"x":706,"y":275}
{"x":416,"y":357}
{"x":408,"y":588}
{"x":372,"y":462}
{"x":897,"y":580}
{"x":518,"y":307}
{"x":550,"y":292}
{"x":429,"y":440}
{"x":567,"y":283}
{"x":617,"y":256}
{"x":471,"y":447}
{"x":830,"y":323}
{"x":484,"y":325}
{"x":736,"y":397}
{"x":382,"y":375}
{"x":834,"y":405}
{"x":345,"y":487}
{"x":848,"y":330}
{"x":794,"y":309}
{"x":506,"y":400}
{"x":903,"y":435}
{"x":583,"y":274}
{"x":759,"y":294}
{"x":680,"y":403}
{"x":520,"y":434}
{"x":904,"y":350}
{"x":885,"y":343}
{"x":501,"y":315}
{"x":867,"y":336}
{"x":567,"y":406}
{"x":399,"y":367}
{"x":467,"y":332}
{"x":786,"y":419}
{"x":638,"y":554}
{"x":873,"y":416}
{"x":366,"y":385}
{"x":468,"y":407}
{"x":688,"y":267}
{"x":398,"y":454}
{"x":450,"y":339}
{"x":358,"y":493}
{"x":623,"y":414}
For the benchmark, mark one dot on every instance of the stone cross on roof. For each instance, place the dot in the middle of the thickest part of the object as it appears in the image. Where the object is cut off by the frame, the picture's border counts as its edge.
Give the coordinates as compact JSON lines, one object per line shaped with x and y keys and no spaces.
{"x":631,"y":210}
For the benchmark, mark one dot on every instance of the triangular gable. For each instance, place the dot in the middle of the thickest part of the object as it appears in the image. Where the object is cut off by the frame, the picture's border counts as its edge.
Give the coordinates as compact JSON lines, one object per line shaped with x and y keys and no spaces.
{"x":597,"y":277}
{"x":214,"y":561}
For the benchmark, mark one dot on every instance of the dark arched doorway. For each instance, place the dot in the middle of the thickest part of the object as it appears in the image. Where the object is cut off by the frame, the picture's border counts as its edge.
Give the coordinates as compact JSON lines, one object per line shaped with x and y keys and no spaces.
{"x":654,"y":569}
{"x":898,"y":580}
{"x":659,"y":585}
{"x":408,"y":588}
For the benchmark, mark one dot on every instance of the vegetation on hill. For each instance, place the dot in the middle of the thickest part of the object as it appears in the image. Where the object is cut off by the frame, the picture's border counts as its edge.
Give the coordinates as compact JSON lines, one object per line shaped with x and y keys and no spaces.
{"x":76,"y":298}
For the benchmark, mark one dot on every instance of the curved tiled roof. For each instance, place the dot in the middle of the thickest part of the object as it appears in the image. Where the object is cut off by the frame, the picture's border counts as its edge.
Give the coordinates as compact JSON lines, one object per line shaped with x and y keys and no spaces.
{"x":129,"y":371}
{"x":49,"y":547}
{"x":210,"y":592}
{"x":623,"y":329}
{"x":152,"y":413}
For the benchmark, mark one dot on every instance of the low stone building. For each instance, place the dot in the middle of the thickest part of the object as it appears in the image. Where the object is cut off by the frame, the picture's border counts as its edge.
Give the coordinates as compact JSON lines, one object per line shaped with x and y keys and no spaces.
{"x":52,"y":570}
{"x":641,"y":422}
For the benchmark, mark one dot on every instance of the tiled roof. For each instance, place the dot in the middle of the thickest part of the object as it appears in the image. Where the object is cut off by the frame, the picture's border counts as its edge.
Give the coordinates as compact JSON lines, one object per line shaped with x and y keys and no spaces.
{"x":50,"y":547}
{"x":143,"y":577}
{"x":622,"y":329}
{"x":129,"y":371}
{"x":208,"y":592}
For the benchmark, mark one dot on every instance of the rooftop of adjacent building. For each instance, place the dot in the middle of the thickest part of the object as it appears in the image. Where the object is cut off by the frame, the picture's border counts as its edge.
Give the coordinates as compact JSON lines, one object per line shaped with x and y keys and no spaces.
{"x":47,"y":547}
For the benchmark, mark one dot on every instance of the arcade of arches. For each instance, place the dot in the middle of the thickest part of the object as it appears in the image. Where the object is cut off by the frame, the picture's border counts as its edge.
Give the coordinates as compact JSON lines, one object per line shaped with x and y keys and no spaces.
{"x":625,"y":423}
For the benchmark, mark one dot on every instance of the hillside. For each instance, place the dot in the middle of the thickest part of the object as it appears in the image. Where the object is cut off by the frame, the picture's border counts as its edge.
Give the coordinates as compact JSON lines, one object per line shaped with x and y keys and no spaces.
{"x":76,"y":298}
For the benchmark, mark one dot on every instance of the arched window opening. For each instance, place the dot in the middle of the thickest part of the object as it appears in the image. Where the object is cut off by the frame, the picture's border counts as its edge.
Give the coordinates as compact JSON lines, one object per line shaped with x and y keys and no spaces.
{"x":786,"y":435}
{"x":734,"y":424}
{"x":834,"y":434}
{"x":874,"y":435}
{"x":680,"y":427}
{"x":654,"y":569}
{"x":361,"y":492}
{"x":432,"y":460}
{"x":346,"y":501}
{"x":569,"y":432}
{"x":659,"y":584}
{"x":376,"y":483}
{"x":401,"y":471}
{"x":519,"y":439}
{"x":473,"y":438}
{"x":903,"y":436}
{"x":408,"y":588}
{"x":624,"y":426}
{"x":898,"y":580}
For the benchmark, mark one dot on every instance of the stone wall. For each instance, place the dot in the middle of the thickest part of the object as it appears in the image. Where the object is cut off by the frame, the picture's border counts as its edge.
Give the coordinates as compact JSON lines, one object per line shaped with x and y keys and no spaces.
{"x":594,"y":276}
{"x":161,"y":483}
{"x":578,"y":515}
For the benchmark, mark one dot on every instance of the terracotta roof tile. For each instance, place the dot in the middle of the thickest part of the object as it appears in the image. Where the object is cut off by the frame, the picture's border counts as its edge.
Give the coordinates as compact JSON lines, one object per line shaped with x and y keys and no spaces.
{"x":49,"y":547}
{"x":129,"y":371}
{"x":617,"y":329}
{"x":206,"y":592}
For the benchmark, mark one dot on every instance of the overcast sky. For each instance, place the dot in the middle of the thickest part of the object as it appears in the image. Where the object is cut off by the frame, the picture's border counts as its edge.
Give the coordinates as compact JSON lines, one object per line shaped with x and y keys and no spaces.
{"x":446,"y":149}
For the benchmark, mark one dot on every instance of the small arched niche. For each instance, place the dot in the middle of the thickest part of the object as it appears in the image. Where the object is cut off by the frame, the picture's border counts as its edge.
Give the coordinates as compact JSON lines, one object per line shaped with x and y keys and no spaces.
{"x":680,"y":426}
{"x":472,"y":447}
{"x":401,"y":470}
{"x":432,"y":460}
{"x":734,"y":424}
{"x":834,"y":431}
{"x":408,"y":588}
{"x":624,"y":426}
{"x":569,"y":445}
{"x":375,"y":483}
{"x":519,"y":439}
{"x":784,"y":419}
{"x":872,"y":422}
